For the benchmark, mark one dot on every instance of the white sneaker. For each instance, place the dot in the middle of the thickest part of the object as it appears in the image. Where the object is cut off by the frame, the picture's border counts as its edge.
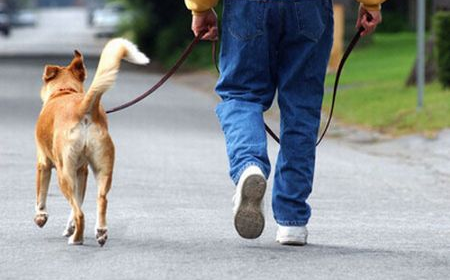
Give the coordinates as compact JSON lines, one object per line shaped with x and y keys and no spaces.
{"x":248,"y":208}
{"x":292,"y":235}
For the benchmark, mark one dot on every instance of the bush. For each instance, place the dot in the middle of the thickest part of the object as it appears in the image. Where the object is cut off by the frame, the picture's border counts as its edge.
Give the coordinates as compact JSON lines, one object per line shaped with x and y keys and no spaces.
{"x":393,"y":22}
{"x":441,"y":27}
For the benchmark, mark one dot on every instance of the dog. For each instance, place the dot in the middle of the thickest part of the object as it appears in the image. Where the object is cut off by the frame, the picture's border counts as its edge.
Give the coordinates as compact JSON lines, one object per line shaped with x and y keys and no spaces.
{"x":72,"y":134}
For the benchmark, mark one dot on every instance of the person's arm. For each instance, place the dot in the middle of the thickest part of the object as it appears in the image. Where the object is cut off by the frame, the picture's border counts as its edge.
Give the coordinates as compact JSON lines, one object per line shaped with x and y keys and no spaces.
{"x":372,"y":7}
{"x":204,"y":19}
{"x":200,"y":6}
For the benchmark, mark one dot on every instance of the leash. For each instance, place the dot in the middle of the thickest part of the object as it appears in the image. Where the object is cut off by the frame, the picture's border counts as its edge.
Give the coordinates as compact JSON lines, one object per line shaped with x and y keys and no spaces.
{"x":197,"y":39}
{"x":347,"y":53}
{"x":164,"y":79}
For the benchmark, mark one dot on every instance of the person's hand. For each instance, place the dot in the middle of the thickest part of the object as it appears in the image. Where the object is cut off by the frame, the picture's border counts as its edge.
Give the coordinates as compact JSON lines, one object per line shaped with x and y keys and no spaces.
{"x":206,"y":22}
{"x":369,"y":24}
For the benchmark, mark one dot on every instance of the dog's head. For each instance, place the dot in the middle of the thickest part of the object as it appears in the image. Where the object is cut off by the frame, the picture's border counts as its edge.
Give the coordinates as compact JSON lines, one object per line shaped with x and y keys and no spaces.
{"x":58,"y":77}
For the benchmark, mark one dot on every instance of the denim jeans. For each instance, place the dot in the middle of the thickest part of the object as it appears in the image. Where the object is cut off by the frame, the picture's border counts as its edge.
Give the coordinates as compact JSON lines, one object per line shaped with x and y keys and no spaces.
{"x":268,"y":47}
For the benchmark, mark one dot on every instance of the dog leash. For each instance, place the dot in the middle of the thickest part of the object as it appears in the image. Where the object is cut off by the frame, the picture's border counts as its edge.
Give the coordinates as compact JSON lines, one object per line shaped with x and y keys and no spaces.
{"x":164,"y":79}
{"x":347,"y":53}
{"x":197,"y":39}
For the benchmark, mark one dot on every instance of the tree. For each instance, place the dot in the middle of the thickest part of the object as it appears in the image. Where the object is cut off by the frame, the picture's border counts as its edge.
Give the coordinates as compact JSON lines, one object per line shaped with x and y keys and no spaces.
{"x":158,"y":27}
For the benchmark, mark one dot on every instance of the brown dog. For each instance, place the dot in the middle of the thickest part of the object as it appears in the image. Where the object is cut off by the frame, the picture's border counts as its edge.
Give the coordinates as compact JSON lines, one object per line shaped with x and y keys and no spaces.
{"x":72,"y":133}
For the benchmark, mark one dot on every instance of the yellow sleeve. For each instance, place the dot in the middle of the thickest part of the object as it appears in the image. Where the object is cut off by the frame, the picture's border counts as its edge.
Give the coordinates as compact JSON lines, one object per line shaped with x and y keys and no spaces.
{"x":200,"y":6}
{"x":371,"y":5}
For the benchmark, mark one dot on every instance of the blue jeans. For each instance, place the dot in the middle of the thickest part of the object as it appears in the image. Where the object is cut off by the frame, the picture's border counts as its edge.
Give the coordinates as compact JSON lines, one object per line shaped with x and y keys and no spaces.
{"x":271,"y":46}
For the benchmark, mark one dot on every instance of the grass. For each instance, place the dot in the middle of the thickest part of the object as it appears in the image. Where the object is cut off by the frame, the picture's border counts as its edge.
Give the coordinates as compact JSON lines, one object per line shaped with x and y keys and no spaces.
{"x":373,"y":94}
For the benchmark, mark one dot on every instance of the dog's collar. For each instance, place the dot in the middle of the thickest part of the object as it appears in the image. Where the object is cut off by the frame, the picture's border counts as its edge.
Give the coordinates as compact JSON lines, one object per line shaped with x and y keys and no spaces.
{"x":66,"y":90}
{"x":62,"y":91}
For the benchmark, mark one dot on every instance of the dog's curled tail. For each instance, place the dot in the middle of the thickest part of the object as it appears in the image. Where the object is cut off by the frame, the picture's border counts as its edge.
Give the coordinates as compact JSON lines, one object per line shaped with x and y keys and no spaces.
{"x":108,"y":67}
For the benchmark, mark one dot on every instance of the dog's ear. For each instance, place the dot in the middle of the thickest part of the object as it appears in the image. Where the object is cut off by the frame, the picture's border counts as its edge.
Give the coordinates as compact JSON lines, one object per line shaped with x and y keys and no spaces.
{"x":77,"y":53}
{"x":50,"y":72}
{"x":77,"y":66}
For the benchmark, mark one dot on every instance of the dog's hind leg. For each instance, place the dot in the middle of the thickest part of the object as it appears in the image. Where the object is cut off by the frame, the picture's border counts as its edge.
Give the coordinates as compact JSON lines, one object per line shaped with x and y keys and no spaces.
{"x":104,"y":185}
{"x":103,"y":164}
{"x":43,"y":174}
{"x":68,"y":183}
{"x":82,"y":175}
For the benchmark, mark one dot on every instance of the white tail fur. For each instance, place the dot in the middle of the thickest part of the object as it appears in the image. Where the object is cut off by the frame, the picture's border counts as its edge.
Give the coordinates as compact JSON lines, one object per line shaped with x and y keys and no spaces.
{"x":108,"y":67}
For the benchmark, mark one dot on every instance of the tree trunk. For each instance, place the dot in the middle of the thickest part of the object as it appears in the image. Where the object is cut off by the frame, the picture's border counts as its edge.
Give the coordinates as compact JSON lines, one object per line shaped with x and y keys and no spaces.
{"x":430,"y":66}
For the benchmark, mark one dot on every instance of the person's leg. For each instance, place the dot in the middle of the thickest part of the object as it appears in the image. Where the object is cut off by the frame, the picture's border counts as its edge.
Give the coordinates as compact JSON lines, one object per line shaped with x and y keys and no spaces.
{"x":303,"y":58}
{"x":246,"y":84}
{"x":247,"y":88}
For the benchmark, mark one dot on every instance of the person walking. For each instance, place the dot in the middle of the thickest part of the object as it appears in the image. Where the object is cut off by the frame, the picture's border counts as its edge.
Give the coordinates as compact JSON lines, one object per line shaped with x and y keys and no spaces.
{"x":271,"y":46}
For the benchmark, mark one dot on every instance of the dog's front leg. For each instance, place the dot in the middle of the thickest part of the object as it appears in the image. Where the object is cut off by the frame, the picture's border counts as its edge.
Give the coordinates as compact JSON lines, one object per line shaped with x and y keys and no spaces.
{"x":68,"y":184}
{"x":43,"y":174}
{"x":82,"y":175}
{"x":70,"y":226}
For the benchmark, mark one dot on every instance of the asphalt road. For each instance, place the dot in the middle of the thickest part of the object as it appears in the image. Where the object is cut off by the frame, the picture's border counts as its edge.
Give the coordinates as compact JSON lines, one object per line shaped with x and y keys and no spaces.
{"x":380,"y":210}
{"x":376,"y":215}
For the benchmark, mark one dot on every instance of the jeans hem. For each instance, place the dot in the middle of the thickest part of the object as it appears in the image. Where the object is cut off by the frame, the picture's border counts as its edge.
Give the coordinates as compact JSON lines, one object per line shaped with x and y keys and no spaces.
{"x":292,"y":223}
{"x":238,"y":175}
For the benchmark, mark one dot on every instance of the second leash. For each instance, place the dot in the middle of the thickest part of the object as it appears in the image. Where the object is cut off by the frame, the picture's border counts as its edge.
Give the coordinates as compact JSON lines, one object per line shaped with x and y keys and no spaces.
{"x":347,"y":53}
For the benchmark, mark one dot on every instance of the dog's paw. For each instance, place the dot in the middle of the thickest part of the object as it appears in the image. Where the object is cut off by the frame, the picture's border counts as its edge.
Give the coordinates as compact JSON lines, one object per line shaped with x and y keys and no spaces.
{"x":102,"y":236}
{"x":72,"y":241}
{"x":68,"y":232}
{"x":41,"y":219}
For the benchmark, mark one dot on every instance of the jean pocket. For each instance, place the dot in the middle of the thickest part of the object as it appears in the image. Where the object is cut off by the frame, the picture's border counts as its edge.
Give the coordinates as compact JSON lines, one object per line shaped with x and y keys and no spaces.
{"x":311,"y":18}
{"x":244,"y":19}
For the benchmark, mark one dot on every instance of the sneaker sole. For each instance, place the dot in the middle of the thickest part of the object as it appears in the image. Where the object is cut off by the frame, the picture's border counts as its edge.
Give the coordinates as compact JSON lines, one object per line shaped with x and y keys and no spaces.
{"x":249,"y":219}
{"x":292,"y":242}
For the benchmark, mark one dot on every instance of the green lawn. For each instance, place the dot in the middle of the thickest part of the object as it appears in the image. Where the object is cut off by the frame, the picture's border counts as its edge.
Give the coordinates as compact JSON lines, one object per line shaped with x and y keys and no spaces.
{"x":373,"y":94}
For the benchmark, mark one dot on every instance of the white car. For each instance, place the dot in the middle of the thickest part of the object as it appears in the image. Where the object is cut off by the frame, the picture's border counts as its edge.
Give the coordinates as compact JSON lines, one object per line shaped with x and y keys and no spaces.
{"x":106,"y":21}
{"x":24,"y":18}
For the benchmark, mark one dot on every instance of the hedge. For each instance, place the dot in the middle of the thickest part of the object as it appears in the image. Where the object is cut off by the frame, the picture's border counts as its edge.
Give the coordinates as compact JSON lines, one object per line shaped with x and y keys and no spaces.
{"x":441,"y":24}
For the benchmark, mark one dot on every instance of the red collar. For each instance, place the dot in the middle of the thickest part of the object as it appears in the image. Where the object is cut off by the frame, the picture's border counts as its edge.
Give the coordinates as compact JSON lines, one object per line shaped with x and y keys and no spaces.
{"x":66,"y":90}
{"x":62,"y":91}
